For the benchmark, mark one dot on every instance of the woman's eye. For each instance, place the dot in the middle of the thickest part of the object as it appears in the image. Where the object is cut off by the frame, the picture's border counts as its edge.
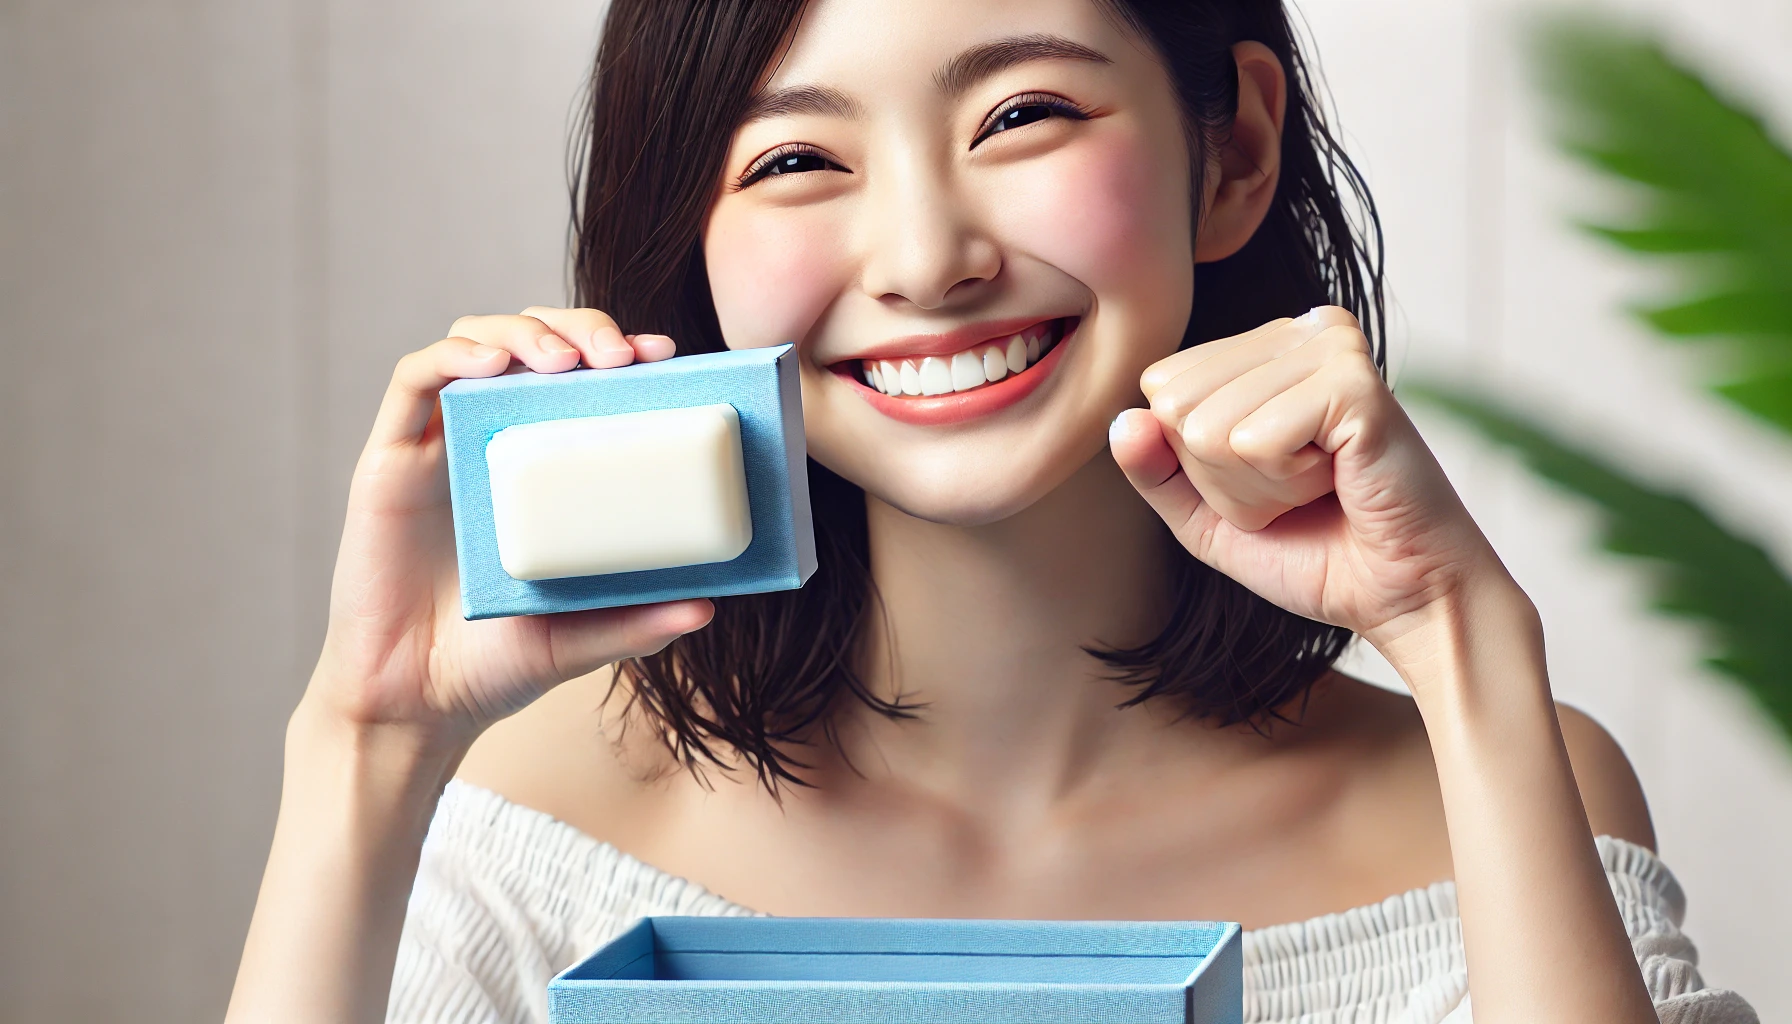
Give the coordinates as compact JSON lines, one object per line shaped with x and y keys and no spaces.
{"x":1027,"y":110}
{"x":797,"y":162}
{"x":1021,"y":115}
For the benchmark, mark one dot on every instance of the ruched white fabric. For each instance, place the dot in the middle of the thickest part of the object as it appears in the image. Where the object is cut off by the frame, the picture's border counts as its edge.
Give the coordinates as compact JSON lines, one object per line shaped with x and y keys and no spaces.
{"x":506,"y":897}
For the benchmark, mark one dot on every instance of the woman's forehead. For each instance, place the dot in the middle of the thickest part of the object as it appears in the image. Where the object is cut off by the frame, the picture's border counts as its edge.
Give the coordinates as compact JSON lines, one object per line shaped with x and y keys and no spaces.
{"x":862,"y":46}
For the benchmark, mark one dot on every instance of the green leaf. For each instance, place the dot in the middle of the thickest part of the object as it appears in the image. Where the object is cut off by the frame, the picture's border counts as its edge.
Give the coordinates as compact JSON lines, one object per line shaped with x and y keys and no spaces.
{"x":1726,"y":583}
{"x":1664,"y":239}
{"x":1768,"y":396}
{"x":1714,"y":190}
{"x":1757,"y":313}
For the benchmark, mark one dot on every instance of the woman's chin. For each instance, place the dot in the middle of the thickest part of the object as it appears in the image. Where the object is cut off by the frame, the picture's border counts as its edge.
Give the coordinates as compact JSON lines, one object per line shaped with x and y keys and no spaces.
{"x":946,"y":512}
{"x":966,"y":498}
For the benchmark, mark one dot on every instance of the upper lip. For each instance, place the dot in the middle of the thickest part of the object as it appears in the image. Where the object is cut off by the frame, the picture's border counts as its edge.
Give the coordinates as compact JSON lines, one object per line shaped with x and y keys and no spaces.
{"x":950,"y":342}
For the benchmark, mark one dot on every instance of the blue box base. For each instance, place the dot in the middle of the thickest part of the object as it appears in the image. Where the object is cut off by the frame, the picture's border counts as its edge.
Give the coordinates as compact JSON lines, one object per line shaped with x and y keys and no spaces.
{"x":867,"y":971}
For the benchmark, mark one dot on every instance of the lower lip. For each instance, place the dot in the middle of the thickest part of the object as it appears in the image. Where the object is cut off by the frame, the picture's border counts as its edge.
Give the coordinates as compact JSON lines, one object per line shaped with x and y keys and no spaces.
{"x":941,"y":410}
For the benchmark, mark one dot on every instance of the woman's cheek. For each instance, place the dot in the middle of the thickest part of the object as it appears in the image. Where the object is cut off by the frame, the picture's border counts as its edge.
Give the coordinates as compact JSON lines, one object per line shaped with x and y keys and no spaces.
{"x":772,"y":273}
{"x":1112,"y":213}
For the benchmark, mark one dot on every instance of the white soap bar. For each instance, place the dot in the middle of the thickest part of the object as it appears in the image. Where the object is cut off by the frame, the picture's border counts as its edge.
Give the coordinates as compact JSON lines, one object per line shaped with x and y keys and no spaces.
{"x":603,"y":494}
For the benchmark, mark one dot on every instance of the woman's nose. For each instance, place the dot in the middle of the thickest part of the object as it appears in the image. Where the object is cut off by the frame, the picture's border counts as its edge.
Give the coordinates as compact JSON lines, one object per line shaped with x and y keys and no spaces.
{"x":924,"y":245}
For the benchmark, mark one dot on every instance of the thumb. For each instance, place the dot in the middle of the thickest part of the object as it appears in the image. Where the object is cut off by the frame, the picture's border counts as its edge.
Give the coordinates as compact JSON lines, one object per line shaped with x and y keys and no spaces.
{"x":581,"y":642}
{"x":1150,"y":464}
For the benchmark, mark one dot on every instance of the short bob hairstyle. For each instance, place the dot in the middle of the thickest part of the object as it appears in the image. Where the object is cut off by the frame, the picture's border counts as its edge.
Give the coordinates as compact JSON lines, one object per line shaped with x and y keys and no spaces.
{"x":672,"y":81}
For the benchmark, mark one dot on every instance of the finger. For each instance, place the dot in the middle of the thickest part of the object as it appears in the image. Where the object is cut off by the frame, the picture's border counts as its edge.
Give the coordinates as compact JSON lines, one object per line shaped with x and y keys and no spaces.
{"x":1308,"y":324}
{"x":410,"y":399}
{"x":1151,"y":466}
{"x":1292,"y":436}
{"x":651,"y":348}
{"x":1228,"y":488}
{"x":1253,"y":474}
{"x":1278,"y":439}
{"x":1179,"y":395}
{"x":1159,"y":373}
{"x":1332,"y":407}
{"x":527,"y":339}
{"x":582,"y":642}
{"x":591,"y":331}
{"x":1207,"y":427}
{"x":1287,"y":470}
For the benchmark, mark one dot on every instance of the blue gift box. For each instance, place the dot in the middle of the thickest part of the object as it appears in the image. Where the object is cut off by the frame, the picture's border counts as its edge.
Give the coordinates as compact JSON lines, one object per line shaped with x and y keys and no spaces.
{"x":858,"y":971}
{"x":761,"y":384}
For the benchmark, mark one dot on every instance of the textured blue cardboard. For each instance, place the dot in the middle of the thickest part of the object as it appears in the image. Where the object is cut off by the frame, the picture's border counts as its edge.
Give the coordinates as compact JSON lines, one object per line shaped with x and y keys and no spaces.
{"x":766,"y":970}
{"x":761,"y":384}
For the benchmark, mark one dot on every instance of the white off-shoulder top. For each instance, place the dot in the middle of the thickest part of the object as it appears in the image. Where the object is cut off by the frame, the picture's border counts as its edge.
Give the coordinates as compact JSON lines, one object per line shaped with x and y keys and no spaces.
{"x":506,"y":897}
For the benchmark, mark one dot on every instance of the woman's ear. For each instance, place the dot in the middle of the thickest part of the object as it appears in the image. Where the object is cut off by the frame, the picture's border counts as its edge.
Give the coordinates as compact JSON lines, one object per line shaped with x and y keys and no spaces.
{"x":1250,"y":162}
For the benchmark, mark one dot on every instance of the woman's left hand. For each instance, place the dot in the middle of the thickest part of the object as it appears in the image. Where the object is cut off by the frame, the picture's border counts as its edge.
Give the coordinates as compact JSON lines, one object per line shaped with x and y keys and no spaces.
{"x":1280,"y":458}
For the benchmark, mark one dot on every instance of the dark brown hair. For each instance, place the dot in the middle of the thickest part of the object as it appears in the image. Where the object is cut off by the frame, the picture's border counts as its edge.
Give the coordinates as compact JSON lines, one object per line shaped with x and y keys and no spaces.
{"x":672,"y":81}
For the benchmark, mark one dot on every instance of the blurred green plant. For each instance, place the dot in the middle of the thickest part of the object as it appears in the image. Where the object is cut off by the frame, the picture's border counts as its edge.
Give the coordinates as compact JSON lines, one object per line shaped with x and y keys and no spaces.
{"x":1706,"y":573}
{"x":1713,"y":194}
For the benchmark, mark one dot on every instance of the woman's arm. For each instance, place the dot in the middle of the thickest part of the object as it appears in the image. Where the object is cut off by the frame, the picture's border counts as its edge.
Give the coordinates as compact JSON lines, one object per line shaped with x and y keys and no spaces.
{"x":1280,"y":458}
{"x":354,"y":807}
{"x":405,"y":684}
{"x":1540,"y":930}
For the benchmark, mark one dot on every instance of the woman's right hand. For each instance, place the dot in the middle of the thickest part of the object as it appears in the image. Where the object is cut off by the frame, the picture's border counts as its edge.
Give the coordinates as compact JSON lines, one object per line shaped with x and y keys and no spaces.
{"x":398,"y":651}
{"x":405,"y":684}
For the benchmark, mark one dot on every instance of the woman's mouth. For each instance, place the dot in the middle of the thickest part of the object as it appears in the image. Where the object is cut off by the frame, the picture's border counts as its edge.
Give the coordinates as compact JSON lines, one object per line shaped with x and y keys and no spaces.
{"x":981,"y":379}
{"x":973,"y":368}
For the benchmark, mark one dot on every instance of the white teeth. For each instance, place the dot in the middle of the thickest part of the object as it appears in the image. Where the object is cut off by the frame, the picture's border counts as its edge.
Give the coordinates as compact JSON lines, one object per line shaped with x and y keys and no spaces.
{"x":962,"y":371}
{"x":911,"y":378}
{"x":967,"y":371}
{"x":936,"y":376}
{"x":995,"y":364}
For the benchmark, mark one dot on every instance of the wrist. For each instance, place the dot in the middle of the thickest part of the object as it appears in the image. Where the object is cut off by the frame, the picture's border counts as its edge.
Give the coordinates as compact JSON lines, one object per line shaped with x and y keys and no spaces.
{"x":374,"y":779}
{"x":1483,"y":636}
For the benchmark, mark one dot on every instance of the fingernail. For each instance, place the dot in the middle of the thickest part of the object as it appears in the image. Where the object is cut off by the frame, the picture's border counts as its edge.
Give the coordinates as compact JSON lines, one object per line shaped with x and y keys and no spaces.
{"x":609,"y":354}
{"x":554,"y":344}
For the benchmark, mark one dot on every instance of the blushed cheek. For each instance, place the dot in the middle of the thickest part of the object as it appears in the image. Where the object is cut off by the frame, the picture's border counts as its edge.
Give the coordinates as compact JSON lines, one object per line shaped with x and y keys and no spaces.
{"x":772,"y":274}
{"x":1114,"y":214}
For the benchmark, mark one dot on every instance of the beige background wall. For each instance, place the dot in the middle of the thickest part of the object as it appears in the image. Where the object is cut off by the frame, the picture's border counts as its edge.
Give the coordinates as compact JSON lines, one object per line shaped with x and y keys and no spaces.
{"x":221,"y":222}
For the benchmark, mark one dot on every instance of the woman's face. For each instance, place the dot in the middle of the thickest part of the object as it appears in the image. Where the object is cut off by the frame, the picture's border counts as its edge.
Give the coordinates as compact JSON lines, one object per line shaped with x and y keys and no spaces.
{"x":973,"y":217}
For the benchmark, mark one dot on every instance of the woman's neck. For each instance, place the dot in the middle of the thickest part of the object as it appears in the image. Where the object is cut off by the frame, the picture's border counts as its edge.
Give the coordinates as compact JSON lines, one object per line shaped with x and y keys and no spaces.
{"x":986,"y":626}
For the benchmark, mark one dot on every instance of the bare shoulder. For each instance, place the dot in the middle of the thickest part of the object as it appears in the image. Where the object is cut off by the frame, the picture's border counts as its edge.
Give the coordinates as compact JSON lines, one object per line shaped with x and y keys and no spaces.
{"x":1378,"y":741}
{"x":570,"y":755}
{"x":1387,"y":830}
{"x":1608,"y":785}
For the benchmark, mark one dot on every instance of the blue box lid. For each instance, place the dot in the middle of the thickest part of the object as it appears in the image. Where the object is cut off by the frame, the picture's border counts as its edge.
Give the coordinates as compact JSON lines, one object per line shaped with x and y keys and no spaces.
{"x":862,"y":970}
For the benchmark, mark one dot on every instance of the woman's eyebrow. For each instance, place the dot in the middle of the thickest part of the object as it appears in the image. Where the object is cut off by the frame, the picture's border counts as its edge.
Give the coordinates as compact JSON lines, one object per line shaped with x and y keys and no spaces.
{"x":953,"y":78}
{"x":803,"y":99}
{"x":986,"y":59}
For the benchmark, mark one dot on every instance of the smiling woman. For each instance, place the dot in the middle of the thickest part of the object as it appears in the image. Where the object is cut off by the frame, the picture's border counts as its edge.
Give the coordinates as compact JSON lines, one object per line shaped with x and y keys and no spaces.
{"x":1027,"y":173}
{"x":1105,"y":475}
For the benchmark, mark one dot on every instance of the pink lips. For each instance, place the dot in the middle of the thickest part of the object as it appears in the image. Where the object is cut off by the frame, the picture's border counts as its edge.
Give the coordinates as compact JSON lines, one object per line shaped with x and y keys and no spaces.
{"x":957,"y":340}
{"x":947,"y":409}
